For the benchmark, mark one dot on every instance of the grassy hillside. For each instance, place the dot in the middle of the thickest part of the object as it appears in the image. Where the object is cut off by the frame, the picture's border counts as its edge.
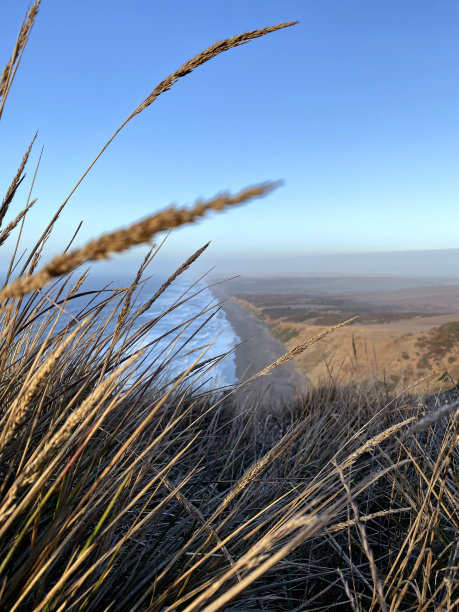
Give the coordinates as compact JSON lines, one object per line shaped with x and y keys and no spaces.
{"x":121,"y":490}
{"x":401,"y":348}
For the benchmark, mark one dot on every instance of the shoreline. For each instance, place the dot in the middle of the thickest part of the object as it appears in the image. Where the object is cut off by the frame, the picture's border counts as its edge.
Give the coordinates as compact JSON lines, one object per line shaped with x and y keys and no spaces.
{"x":258,"y":349}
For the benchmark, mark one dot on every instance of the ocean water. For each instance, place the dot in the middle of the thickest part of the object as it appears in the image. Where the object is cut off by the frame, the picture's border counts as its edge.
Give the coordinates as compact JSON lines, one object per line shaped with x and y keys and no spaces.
{"x":201,"y":328}
{"x":209,"y":332}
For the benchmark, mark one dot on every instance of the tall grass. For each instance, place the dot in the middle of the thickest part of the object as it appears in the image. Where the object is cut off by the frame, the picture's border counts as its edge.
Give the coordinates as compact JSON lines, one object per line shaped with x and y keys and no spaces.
{"x":123,"y":490}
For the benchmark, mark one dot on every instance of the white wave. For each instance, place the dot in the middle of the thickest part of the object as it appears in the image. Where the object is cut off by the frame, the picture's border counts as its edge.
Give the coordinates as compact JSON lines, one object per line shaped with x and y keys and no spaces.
{"x":215,"y":336}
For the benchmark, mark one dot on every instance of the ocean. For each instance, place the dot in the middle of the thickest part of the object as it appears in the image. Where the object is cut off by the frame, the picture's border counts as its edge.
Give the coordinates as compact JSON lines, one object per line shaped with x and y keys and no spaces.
{"x":194,"y":333}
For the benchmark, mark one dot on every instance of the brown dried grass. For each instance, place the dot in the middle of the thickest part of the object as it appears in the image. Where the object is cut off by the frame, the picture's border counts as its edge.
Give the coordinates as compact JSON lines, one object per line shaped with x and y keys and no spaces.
{"x":120,"y":492}
{"x":11,"y":67}
{"x":165,"y":85}
{"x":124,"y":239}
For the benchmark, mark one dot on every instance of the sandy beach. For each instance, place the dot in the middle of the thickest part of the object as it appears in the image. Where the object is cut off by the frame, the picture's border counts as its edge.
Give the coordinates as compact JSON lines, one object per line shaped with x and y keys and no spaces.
{"x":257,"y":350}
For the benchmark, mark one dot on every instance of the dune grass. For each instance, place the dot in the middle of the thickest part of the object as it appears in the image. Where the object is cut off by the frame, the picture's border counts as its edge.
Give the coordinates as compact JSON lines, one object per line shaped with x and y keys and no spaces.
{"x":123,"y":490}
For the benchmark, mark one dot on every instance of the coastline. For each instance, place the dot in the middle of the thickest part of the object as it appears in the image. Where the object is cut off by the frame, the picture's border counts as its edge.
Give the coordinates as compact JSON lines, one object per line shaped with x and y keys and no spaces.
{"x":258,"y":349}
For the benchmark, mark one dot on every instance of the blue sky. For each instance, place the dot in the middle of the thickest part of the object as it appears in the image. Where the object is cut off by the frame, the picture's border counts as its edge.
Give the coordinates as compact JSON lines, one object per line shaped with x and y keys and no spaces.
{"x":355,"y":108}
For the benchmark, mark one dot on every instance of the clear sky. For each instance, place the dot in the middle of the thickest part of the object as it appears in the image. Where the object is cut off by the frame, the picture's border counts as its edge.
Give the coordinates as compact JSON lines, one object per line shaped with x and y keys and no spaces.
{"x":356,"y":108}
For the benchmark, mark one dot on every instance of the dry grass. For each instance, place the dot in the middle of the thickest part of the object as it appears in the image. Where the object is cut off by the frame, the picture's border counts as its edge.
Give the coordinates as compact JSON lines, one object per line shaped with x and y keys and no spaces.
{"x":297,"y":350}
{"x":124,"y":239}
{"x":121,"y":491}
{"x":12,"y":65}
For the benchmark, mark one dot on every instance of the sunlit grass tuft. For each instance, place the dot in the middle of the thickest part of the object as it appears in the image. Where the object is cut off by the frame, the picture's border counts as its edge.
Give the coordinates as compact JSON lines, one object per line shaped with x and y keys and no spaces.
{"x":123,"y":490}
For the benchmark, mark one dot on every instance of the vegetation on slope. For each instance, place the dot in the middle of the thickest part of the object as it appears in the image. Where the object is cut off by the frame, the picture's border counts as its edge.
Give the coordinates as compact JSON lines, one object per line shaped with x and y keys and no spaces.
{"x":122,"y":490}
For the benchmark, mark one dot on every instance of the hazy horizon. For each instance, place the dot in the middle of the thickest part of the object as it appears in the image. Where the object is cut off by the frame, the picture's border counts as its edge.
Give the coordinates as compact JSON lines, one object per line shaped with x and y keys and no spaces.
{"x":442,"y":263}
{"x":435,"y":264}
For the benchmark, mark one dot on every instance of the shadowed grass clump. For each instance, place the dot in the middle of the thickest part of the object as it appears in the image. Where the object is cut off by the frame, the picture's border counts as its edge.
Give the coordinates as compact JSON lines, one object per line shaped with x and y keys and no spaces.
{"x":123,"y":490}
